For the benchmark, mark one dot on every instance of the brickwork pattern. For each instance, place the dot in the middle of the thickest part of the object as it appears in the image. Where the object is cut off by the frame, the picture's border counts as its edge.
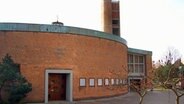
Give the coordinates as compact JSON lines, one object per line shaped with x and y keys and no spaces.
{"x":149,"y":70}
{"x":87,"y":57}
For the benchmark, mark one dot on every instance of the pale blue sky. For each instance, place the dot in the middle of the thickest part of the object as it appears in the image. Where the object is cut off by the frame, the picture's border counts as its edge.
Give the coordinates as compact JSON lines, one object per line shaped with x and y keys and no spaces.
{"x":151,"y":25}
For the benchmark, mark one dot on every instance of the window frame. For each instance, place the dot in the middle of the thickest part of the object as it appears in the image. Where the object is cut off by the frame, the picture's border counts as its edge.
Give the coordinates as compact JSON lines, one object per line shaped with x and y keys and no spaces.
{"x":90,"y":83}
{"x":84,"y":85}
{"x":112,"y":81}
{"x":106,"y":84}
{"x":100,"y":84}
{"x":134,"y":61}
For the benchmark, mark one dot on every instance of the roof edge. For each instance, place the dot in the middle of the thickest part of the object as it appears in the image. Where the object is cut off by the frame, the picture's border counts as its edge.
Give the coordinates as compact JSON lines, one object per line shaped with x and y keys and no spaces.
{"x":59,"y":29}
{"x":139,"y":51}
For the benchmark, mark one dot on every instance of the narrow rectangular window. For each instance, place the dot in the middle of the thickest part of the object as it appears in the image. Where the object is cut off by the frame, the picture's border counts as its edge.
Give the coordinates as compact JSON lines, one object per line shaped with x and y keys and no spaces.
{"x":100,"y":82}
{"x":112,"y":81}
{"x":136,"y":59}
{"x":141,"y":68}
{"x":136,"y":70}
{"x":115,"y":31}
{"x":130,"y":58}
{"x":92,"y":82}
{"x":82,"y":82}
{"x":125,"y":81}
{"x":120,"y":82}
{"x":130,"y":68}
{"x":115,"y":22}
{"x":141,"y":59}
{"x":117,"y":81}
{"x":106,"y":81}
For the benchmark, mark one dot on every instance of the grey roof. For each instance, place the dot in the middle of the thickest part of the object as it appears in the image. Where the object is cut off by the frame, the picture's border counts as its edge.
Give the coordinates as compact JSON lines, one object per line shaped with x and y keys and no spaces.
{"x":59,"y":29}
{"x":139,"y":51}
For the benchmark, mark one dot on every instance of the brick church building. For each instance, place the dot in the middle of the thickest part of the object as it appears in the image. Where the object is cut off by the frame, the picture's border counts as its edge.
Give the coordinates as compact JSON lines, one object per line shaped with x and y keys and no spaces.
{"x":71,"y":63}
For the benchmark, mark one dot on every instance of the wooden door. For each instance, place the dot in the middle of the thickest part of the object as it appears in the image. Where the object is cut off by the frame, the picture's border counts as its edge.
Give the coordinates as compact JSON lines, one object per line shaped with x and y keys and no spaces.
{"x":57,"y":87}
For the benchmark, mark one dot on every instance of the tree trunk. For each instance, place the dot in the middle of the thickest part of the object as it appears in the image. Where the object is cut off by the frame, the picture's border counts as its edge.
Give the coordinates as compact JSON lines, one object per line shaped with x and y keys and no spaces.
{"x":141,"y":100}
{"x":177,"y":99}
{"x":0,"y":98}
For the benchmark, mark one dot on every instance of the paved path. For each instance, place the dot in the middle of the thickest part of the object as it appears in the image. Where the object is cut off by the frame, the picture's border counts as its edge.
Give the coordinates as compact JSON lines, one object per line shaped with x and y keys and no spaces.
{"x":153,"y":97}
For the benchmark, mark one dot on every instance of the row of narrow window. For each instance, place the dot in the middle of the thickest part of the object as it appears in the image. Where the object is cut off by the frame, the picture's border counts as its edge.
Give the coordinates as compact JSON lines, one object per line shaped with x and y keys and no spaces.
{"x":101,"y":82}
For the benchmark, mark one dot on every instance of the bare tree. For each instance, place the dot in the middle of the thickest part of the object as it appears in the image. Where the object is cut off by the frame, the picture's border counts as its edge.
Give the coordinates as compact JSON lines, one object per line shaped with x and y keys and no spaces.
{"x":171,"y":82}
{"x":171,"y":56}
{"x":142,"y":89}
{"x":167,"y":74}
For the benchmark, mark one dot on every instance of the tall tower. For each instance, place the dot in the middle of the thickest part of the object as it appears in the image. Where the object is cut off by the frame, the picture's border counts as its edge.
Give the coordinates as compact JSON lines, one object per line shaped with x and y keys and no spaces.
{"x":111,"y":16}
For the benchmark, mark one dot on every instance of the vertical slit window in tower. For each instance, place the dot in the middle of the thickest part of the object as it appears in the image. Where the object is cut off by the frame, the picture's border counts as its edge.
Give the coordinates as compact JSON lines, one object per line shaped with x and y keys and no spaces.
{"x":115,"y":22}
{"x":115,"y":31}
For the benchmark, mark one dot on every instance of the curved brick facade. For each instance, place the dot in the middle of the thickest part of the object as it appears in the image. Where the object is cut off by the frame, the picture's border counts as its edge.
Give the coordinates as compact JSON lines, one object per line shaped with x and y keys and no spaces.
{"x":85,"y":55}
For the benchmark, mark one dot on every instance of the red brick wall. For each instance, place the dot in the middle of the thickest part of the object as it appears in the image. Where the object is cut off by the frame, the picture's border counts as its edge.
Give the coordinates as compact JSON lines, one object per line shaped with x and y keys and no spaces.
{"x":149,"y":71}
{"x":87,"y":57}
{"x":107,"y":16}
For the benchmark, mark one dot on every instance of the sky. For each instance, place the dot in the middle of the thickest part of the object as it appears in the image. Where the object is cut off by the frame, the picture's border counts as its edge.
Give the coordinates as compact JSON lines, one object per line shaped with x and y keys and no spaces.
{"x":153,"y":25}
